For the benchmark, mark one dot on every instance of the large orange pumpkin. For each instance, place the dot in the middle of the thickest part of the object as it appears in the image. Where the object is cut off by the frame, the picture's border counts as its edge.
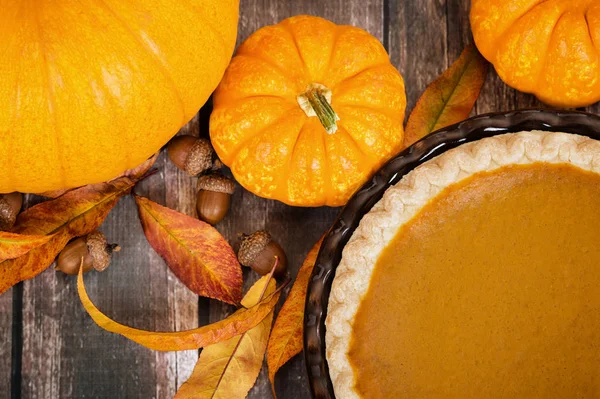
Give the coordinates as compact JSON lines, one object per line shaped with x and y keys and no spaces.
{"x":89,"y":89}
{"x":550,"y":48}
{"x":307,"y":110}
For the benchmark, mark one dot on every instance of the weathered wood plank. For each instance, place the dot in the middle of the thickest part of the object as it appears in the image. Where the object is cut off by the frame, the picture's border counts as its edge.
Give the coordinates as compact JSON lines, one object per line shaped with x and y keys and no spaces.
{"x":418,"y":43}
{"x":66,"y":355}
{"x":458,"y":37}
{"x":6,"y":304}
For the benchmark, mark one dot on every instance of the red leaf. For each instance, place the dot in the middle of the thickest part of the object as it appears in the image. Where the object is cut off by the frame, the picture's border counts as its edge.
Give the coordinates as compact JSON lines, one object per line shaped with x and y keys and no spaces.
{"x":195,"y":251}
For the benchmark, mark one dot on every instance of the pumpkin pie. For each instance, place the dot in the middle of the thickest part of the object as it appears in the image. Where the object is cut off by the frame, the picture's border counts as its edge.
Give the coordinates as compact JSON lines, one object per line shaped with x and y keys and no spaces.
{"x":476,"y":276}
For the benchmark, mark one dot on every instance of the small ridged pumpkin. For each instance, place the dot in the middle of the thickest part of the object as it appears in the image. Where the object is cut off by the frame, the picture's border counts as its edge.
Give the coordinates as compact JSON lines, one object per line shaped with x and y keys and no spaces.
{"x":92,"y":88}
{"x":550,"y":48}
{"x":307,"y":110}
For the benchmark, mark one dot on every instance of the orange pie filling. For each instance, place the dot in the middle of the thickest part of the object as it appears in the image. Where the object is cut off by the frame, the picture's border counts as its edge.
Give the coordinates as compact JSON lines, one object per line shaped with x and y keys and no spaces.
{"x":491,"y":291}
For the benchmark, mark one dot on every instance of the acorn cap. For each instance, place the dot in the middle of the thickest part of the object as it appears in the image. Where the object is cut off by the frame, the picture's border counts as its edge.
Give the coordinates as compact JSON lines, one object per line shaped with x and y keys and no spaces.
{"x":100,"y":250}
{"x":252,"y":245}
{"x":216,"y":182}
{"x":200,"y":157}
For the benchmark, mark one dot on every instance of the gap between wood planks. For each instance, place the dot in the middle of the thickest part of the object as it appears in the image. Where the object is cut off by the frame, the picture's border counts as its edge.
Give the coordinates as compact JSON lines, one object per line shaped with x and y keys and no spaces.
{"x":17,"y":341}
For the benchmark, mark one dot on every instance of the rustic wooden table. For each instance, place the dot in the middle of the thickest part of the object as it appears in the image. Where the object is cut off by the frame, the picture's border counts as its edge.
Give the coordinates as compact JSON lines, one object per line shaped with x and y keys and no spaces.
{"x":51,"y":349}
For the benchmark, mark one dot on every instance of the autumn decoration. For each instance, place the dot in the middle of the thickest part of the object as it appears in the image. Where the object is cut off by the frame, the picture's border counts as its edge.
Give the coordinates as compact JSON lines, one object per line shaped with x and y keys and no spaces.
{"x":214,"y":197}
{"x":15,"y":245}
{"x":307,"y":110}
{"x":450,"y":98}
{"x":141,"y":71}
{"x":10,"y":205}
{"x":286,"y":338}
{"x":258,"y":250}
{"x":76,"y":213}
{"x":90,"y":252}
{"x":214,"y":375}
{"x":239,"y":322}
{"x":548,"y":48}
{"x":195,"y":251}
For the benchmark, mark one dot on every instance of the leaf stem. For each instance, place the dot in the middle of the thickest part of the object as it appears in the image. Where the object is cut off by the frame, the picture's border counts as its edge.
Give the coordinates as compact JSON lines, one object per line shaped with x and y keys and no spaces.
{"x":262,"y":294}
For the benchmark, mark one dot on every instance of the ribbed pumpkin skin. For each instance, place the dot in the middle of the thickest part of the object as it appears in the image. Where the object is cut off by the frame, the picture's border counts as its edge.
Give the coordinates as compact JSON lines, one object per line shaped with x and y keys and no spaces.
{"x":272,"y":147}
{"x":92,"y":88}
{"x":550,"y":48}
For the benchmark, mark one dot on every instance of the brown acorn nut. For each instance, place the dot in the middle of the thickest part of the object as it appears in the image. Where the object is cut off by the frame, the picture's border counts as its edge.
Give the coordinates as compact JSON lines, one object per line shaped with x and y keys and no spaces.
{"x":10,"y":206}
{"x":258,"y":251}
{"x":94,"y":250}
{"x":214,"y":197}
{"x":191,"y":154}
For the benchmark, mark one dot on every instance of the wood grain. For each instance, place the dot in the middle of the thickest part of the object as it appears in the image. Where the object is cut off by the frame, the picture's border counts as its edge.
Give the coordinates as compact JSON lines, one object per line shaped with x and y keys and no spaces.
{"x":65,"y":355}
{"x":6,"y":303}
{"x":419,"y":61}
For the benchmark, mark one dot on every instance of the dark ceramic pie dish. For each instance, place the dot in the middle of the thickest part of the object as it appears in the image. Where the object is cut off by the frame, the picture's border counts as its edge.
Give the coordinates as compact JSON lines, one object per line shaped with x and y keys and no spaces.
{"x":363,"y":200}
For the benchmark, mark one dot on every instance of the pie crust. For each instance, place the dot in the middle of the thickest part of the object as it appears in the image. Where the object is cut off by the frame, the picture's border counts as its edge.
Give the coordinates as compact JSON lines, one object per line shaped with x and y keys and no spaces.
{"x":403,"y":201}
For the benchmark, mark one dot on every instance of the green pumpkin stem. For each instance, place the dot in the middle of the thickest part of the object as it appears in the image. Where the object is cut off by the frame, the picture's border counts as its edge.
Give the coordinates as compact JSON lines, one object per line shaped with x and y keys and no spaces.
{"x":316,"y":101}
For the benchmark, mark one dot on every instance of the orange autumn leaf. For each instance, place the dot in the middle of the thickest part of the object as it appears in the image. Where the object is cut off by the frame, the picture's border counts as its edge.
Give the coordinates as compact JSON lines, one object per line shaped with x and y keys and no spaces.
{"x":286,"y":337}
{"x":194,"y":250}
{"x":450,"y":98}
{"x":236,"y":324}
{"x":229,"y":369}
{"x":76,"y":213}
{"x":14,"y":245}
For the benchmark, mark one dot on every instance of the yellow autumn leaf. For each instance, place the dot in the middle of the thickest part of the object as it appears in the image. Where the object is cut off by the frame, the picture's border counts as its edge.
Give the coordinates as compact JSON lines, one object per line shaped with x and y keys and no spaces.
{"x":234,"y":325}
{"x":229,"y":369}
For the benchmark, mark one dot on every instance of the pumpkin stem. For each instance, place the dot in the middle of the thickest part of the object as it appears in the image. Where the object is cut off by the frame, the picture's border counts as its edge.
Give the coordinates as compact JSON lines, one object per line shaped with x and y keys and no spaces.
{"x":316,"y":101}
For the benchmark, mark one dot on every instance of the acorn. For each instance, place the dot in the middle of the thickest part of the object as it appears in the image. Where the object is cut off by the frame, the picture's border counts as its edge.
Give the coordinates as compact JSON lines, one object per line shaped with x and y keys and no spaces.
{"x":258,"y":251}
{"x":94,"y":250}
{"x":191,"y":154}
{"x":10,"y":206}
{"x":214,"y":197}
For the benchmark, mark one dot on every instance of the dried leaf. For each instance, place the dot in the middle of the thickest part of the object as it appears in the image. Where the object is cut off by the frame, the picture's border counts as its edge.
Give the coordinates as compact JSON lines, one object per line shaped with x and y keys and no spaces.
{"x":236,"y":324}
{"x":14,"y":245}
{"x":450,"y":98}
{"x":74,"y":214}
{"x":229,"y":369}
{"x":286,"y":337}
{"x":194,"y":250}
